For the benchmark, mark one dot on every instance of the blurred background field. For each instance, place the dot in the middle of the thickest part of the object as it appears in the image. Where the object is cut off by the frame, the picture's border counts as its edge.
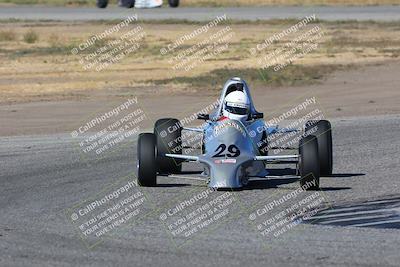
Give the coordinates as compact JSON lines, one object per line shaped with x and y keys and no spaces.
{"x":37,"y":63}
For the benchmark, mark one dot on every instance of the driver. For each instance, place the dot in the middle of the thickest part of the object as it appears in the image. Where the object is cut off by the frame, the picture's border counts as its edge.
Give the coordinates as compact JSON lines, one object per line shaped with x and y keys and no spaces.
{"x":236,"y":106}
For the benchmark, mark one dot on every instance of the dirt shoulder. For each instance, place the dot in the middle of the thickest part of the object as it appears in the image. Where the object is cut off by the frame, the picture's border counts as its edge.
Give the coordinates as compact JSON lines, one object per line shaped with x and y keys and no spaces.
{"x":350,"y":67}
{"x":369,"y":90}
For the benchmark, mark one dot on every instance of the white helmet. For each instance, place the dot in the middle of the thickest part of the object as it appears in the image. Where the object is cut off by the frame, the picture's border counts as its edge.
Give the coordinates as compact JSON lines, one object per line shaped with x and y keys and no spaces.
{"x":236,"y":106}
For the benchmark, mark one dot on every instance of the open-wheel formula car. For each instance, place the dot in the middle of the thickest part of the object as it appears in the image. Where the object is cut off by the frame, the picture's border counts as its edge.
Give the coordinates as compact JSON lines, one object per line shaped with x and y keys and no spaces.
{"x":234,"y":145}
{"x":138,"y":3}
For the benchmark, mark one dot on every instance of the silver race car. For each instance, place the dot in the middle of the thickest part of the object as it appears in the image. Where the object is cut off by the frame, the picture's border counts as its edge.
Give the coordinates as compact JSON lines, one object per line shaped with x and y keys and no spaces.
{"x":234,"y":145}
{"x":138,"y":3}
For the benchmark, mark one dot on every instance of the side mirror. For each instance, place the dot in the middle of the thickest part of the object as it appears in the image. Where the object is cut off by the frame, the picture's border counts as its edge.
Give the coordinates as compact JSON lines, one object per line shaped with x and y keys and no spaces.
{"x":257,"y":116}
{"x":202,"y":116}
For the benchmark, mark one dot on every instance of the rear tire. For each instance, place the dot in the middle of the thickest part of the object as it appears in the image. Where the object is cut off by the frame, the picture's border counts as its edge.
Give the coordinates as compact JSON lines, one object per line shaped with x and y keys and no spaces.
{"x":147,"y":166}
{"x":168,"y":134}
{"x":309,"y":163}
{"x":173,"y":3}
{"x":263,"y":148}
{"x":322,"y":130}
{"x":101,"y":3}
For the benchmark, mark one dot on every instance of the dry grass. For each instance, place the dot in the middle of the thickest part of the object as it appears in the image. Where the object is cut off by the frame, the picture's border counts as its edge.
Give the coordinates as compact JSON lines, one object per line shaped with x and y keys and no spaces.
{"x":47,"y":67}
{"x":6,"y":36}
{"x":30,"y":37}
{"x":50,"y":2}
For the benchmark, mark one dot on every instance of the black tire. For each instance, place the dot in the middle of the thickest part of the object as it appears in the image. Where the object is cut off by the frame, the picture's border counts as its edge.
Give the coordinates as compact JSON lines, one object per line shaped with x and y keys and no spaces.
{"x":173,"y":3}
{"x":126,"y":3}
{"x":203,"y":145}
{"x":147,"y":165}
{"x":323,"y":131}
{"x":263,"y":148}
{"x":101,"y":3}
{"x":309,"y":163}
{"x":168,"y":135}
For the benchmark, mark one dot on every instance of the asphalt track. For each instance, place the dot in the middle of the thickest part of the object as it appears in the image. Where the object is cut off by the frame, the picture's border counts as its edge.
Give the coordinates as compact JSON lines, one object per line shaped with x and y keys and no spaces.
{"x":378,"y":13}
{"x":44,"y":176}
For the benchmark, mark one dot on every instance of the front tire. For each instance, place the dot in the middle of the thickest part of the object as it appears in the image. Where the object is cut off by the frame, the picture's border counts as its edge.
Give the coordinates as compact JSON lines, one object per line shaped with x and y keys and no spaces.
{"x":147,"y":166}
{"x":101,"y":3}
{"x":323,"y":131}
{"x":168,"y":133}
{"x":173,"y":3}
{"x":309,"y":163}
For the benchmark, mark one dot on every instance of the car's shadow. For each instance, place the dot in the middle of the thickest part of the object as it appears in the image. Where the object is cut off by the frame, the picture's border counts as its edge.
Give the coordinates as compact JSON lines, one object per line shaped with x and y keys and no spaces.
{"x":268,"y":183}
{"x":172,"y":185}
{"x":345,"y":175}
{"x":191,"y":172}
{"x":178,"y":184}
{"x":290,"y":171}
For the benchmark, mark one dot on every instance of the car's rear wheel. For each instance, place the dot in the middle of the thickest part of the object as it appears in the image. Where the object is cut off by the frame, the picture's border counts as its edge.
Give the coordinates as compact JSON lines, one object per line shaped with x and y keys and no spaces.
{"x":263,"y":147}
{"x":101,"y":3}
{"x":173,"y":3}
{"x":309,"y":163}
{"x":168,"y":134}
{"x":323,"y":131}
{"x":147,"y":166}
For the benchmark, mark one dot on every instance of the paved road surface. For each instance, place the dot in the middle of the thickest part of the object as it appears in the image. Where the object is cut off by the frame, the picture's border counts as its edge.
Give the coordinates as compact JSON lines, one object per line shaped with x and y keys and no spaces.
{"x":43,"y":176}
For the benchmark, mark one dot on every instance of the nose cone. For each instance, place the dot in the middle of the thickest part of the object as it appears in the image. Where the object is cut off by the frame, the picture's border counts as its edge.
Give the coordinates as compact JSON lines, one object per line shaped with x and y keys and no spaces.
{"x":224,"y":175}
{"x":226,"y":172}
{"x":228,"y":147}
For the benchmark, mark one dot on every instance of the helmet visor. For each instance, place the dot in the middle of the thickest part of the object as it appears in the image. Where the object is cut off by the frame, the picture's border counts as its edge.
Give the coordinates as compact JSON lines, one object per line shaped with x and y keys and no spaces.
{"x":234,"y":108}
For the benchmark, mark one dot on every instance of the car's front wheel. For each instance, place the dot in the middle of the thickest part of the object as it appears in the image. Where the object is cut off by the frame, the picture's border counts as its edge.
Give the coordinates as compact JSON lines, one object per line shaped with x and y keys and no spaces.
{"x":168,"y":134}
{"x":322,"y":130}
{"x":309,"y":163}
{"x":146,"y":165}
{"x":263,"y":144}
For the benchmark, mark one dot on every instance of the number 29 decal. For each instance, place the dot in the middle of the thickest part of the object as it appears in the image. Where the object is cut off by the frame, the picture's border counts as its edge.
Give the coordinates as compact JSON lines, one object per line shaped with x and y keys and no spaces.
{"x":233,"y":151}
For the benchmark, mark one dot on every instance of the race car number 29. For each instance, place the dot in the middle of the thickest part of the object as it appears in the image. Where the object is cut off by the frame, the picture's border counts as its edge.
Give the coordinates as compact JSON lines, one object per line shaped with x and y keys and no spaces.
{"x":233,"y":151}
